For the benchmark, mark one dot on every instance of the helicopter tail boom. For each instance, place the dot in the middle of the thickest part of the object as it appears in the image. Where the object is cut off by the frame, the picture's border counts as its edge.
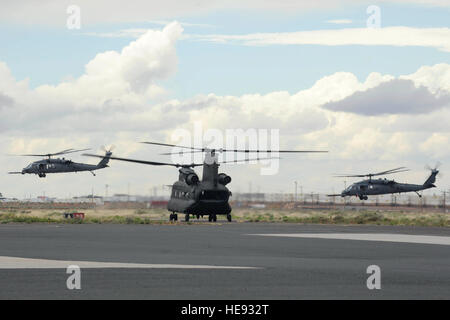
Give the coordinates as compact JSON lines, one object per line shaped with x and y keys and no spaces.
{"x":104,"y":162}
{"x":429,"y":183}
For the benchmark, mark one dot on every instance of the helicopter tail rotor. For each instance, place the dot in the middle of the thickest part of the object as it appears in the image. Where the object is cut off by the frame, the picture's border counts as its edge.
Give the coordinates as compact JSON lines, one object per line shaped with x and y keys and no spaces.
{"x":436,"y":167}
{"x":105,"y":159}
{"x":108,"y":150}
{"x":434,"y":172}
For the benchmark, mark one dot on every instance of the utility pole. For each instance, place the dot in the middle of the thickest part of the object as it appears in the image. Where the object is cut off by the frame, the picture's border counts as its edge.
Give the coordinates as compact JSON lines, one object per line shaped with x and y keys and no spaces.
{"x":295,"y":198}
{"x":444,"y":203}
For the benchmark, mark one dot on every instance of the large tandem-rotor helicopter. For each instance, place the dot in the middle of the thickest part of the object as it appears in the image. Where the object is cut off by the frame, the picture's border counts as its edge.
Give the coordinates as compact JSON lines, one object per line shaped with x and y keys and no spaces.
{"x":208,"y":196}
{"x":58,"y":165}
{"x":368,"y":187}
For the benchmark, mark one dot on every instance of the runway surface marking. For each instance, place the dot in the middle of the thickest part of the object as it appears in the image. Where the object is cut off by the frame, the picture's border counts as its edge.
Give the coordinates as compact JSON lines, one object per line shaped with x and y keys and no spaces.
{"x":407,"y":238}
{"x":29,"y":263}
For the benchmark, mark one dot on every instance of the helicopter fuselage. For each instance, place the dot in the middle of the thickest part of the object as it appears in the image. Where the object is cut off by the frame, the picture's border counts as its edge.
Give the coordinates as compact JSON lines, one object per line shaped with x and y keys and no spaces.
{"x":43,"y":167}
{"x":192,"y":196}
{"x":200,"y":199}
{"x":366,"y":188}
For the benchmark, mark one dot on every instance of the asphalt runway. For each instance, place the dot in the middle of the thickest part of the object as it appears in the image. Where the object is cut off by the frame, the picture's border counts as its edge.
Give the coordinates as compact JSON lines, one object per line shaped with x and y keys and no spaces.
{"x":223,"y":261}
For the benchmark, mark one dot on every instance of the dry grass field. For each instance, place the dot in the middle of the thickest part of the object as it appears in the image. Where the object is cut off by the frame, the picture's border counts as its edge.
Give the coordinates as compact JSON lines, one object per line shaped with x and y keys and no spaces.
{"x":161,"y":216}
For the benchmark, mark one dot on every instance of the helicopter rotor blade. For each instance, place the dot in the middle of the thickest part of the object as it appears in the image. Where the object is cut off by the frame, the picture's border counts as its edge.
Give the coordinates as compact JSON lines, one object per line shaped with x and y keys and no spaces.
{"x":247,"y":160}
{"x":195,"y":149}
{"x":270,"y":151}
{"x":436,"y":166}
{"x":181,"y":152}
{"x":399,"y":169}
{"x":72,"y":151}
{"x":153,"y":163}
{"x":110,"y":149}
{"x":45,"y":154}
{"x":391,"y":171}
{"x":54,"y":154}
{"x":172,"y":145}
{"x":350,"y":176}
{"x":246,"y":151}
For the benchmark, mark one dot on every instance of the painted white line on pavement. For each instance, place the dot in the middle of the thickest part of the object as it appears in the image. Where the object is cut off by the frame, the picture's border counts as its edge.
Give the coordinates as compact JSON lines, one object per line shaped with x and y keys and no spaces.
{"x":388,"y":237}
{"x":29,"y":263}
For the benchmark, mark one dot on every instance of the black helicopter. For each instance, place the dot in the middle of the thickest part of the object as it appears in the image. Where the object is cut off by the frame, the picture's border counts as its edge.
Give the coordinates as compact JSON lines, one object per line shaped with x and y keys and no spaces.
{"x":50,"y":165}
{"x":368,"y":187}
{"x":196,"y":197}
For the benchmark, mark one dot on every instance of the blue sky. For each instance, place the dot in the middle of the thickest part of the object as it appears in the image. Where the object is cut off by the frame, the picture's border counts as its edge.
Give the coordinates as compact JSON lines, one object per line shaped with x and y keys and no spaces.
{"x":49,"y":54}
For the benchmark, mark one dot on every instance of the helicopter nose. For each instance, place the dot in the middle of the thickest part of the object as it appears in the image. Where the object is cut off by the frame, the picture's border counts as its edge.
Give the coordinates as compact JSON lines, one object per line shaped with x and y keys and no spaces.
{"x":27,"y":170}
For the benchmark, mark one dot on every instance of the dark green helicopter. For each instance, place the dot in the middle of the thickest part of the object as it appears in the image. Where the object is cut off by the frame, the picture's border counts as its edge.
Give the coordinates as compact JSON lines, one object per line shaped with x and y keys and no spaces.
{"x":208,"y":196}
{"x":58,"y":165}
{"x":368,"y":187}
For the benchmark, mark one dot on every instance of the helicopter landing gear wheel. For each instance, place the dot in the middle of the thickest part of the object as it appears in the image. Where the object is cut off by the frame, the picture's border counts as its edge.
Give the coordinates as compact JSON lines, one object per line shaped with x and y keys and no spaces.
{"x":229,"y":217}
{"x":41,"y":175}
{"x":186,"y":217}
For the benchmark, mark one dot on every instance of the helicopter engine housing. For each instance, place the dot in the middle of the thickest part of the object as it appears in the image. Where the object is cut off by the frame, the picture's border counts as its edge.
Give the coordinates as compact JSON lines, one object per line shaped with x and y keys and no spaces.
{"x":191,"y":179}
{"x":224,"y":179}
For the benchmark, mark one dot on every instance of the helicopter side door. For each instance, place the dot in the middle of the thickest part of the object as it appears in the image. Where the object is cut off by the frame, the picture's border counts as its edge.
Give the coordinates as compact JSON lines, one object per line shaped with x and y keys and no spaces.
{"x":363,"y":189}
